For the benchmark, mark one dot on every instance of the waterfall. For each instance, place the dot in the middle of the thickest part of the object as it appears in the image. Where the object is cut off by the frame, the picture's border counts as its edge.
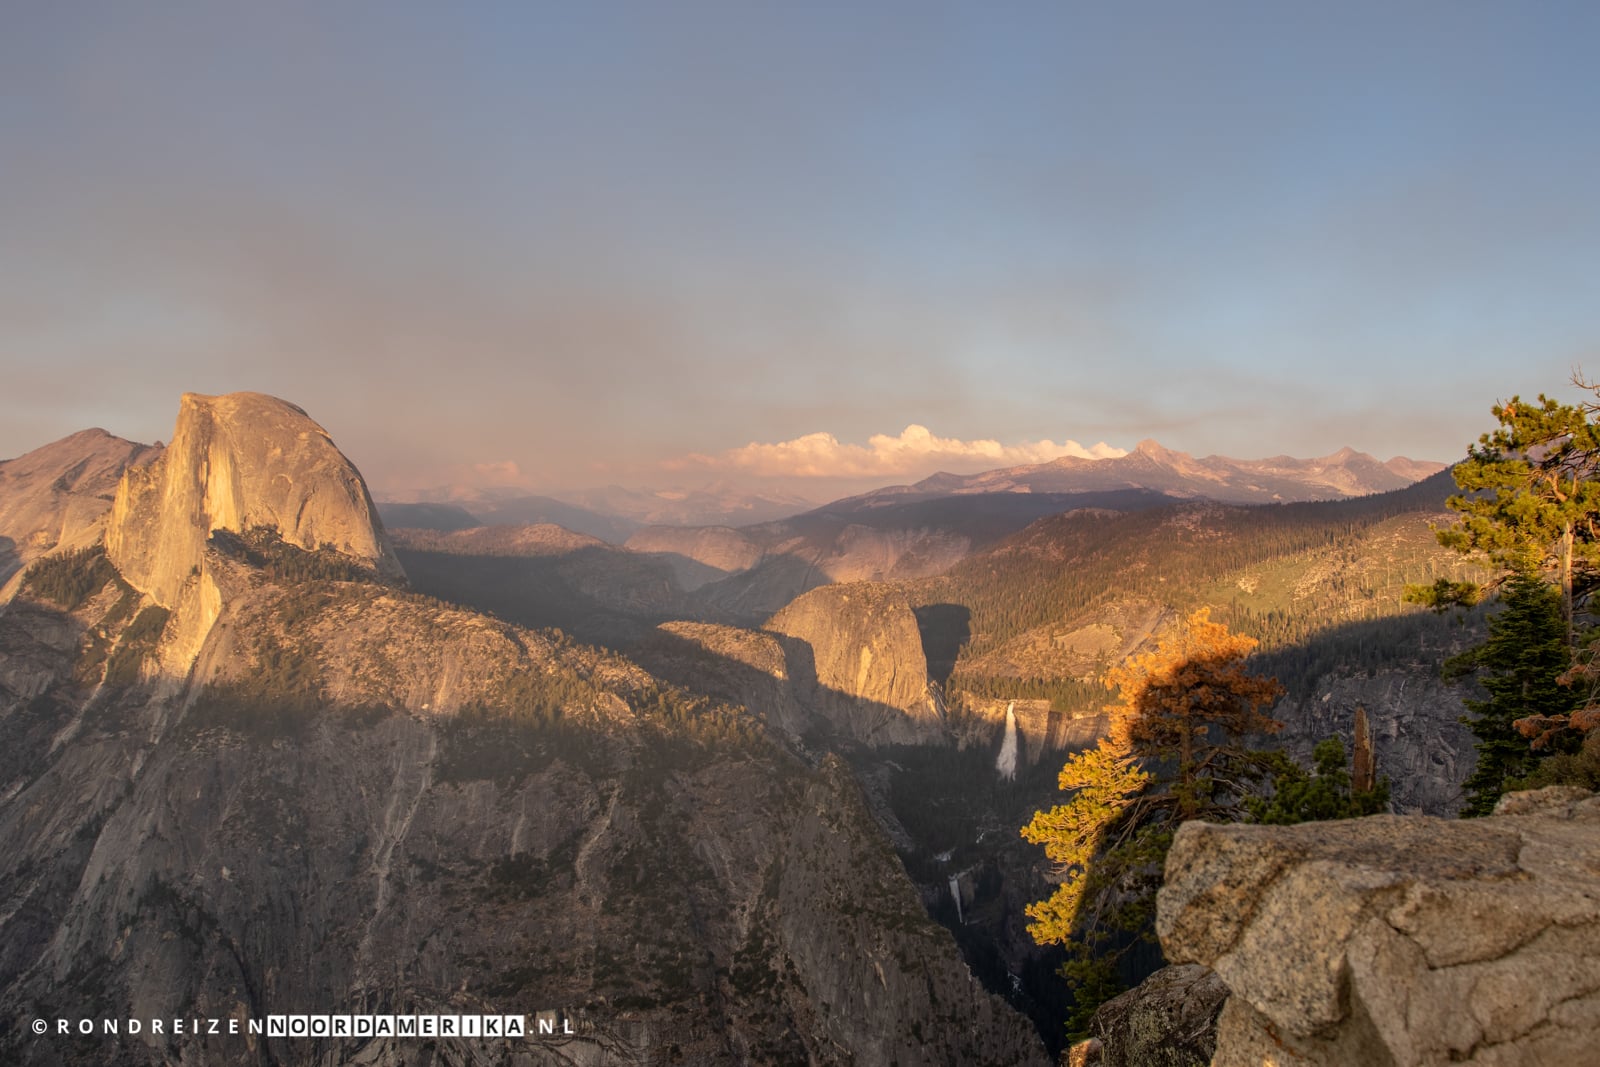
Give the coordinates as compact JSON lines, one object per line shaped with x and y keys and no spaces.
{"x":1006,"y":764}
{"x":955,"y":891}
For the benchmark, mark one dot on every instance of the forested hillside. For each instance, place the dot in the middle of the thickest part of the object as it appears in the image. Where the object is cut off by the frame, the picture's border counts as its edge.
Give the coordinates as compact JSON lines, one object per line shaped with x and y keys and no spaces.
{"x":1319,"y":584}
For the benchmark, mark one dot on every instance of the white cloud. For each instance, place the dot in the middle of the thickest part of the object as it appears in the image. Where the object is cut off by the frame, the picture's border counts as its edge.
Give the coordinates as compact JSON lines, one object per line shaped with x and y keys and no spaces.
{"x":501,"y":472}
{"x":915,"y":451}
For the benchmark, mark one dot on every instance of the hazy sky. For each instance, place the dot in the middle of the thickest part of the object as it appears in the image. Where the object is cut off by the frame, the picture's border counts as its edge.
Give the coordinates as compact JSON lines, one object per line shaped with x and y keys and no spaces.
{"x":667,"y":243}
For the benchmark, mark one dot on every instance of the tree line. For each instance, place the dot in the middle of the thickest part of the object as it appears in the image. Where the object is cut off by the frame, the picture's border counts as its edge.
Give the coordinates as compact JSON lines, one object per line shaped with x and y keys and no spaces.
{"x":1529,"y":511}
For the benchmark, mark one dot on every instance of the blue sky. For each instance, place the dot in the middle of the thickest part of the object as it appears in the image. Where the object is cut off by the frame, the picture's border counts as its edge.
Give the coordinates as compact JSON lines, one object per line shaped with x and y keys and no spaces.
{"x":564,"y":245}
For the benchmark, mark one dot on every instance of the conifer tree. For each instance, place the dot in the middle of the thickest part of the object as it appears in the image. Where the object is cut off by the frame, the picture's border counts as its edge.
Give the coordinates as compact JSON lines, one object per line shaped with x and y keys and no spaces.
{"x":1521,"y":666}
{"x":1329,"y":792}
{"x":1531,"y":509}
{"x":1531,"y":502}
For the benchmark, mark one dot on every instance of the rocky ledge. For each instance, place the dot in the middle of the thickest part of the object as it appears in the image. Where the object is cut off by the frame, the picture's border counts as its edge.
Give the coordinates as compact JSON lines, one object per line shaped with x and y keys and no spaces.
{"x":1398,"y":940}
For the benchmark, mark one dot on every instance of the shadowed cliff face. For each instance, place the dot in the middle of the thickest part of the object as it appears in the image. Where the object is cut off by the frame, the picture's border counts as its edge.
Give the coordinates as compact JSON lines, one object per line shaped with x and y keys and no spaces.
{"x":380,"y":804}
{"x":237,"y":462}
{"x":1420,"y":741}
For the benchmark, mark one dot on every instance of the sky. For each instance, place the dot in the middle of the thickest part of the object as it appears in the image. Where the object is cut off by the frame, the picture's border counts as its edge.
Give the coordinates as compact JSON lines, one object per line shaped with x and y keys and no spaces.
{"x":797,"y":246}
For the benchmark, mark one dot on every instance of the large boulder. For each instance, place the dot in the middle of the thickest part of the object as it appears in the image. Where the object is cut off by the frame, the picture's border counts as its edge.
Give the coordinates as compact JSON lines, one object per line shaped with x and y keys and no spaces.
{"x":1168,"y":1020}
{"x":1397,"y":939}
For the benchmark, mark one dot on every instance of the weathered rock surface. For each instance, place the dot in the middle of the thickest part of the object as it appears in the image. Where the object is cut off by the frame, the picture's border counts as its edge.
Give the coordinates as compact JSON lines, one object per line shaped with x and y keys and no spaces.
{"x":1168,"y":1020}
{"x":861,"y":646}
{"x":376,"y":852}
{"x":1398,"y":940}
{"x":57,"y":497}
{"x":237,"y":462}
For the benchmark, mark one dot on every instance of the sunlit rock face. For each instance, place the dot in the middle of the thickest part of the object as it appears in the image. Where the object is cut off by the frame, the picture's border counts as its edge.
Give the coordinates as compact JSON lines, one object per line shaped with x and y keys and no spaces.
{"x":860,"y":646}
{"x":237,"y":462}
{"x":57,"y":497}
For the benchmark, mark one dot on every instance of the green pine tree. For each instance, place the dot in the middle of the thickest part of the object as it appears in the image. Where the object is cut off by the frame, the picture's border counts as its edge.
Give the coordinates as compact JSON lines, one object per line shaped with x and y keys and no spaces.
{"x":1518,"y":665}
{"x":1530,"y":502}
{"x":1326,"y":793}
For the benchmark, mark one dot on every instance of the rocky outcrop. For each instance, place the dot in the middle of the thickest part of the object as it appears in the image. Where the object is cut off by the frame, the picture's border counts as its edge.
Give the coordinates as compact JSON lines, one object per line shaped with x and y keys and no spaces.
{"x":1397,"y":940}
{"x":1168,"y":1020}
{"x":858,"y":651}
{"x":57,"y":497}
{"x":237,"y":462}
{"x":844,"y":660}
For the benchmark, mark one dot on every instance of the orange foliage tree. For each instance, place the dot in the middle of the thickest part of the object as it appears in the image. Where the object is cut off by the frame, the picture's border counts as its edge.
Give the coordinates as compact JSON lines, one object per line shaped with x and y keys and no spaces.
{"x":1177,"y":749}
{"x":1191,"y":703}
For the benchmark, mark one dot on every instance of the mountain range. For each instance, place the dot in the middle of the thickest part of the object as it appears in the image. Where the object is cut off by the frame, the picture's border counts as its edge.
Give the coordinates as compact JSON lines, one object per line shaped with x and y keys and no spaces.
{"x":613,"y":513}
{"x":744,"y":573}
{"x":1279,"y":479}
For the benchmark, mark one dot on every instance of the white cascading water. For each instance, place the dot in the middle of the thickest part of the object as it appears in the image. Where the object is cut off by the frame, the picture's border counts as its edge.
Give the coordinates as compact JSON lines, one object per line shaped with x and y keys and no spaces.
{"x":1006,"y":763}
{"x":955,"y":891}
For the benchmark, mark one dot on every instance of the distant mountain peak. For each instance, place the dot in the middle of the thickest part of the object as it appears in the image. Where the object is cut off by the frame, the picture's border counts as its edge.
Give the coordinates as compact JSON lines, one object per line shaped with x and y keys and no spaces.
{"x":1153,"y":466}
{"x":57,"y":496}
